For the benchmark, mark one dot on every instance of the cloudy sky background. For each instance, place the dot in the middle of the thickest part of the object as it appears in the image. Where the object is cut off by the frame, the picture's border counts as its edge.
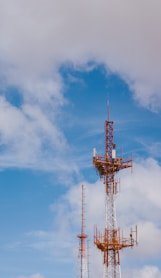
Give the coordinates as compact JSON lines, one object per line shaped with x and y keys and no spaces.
{"x":60,"y":62}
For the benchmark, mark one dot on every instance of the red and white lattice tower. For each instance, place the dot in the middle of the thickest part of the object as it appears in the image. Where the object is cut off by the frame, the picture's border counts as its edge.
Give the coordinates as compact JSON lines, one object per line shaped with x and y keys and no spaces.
{"x":111,"y":241}
{"x":83,"y":256}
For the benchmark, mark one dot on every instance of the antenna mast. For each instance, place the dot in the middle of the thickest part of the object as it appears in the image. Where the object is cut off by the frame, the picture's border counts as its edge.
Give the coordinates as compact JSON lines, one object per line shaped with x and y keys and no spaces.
{"x":83,"y":256}
{"x":111,"y":241}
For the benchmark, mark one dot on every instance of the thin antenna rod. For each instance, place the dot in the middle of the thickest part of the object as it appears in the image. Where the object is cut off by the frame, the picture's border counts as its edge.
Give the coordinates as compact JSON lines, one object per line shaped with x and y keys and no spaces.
{"x":108,"y":110}
{"x":83,"y":188}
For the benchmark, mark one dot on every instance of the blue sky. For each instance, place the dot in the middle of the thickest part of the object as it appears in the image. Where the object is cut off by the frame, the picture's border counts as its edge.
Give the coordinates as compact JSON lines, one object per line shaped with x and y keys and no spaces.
{"x":60,"y":64}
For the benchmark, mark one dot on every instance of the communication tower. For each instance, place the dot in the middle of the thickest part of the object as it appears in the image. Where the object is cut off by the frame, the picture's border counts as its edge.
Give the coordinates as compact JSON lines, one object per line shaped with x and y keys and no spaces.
{"x":83,"y":256}
{"x":111,"y":241}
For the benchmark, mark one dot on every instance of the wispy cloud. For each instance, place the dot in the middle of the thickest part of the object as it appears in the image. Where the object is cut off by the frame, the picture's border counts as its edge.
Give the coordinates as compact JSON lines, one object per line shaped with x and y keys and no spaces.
{"x":27,"y":137}
{"x":37,"y":275}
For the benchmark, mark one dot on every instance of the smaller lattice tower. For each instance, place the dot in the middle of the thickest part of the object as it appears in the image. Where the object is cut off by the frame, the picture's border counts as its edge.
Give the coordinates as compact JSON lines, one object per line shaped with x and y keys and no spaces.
{"x":111,"y":241}
{"x":83,"y":254}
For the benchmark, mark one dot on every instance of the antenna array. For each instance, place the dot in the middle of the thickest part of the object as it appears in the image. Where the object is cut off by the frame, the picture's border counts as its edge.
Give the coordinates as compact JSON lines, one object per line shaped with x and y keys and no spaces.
{"x":111,"y":241}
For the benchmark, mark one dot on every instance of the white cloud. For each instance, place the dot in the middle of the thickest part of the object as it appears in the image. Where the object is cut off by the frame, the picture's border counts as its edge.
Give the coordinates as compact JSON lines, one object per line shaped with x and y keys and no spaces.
{"x":139,"y":203}
{"x":142,"y":190}
{"x":146,"y":272}
{"x":149,"y":243}
{"x":39,"y":36}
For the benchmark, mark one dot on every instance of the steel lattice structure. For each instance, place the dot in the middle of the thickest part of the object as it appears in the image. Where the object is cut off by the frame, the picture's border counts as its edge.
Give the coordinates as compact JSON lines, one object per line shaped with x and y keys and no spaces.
{"x":111,"y":242}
